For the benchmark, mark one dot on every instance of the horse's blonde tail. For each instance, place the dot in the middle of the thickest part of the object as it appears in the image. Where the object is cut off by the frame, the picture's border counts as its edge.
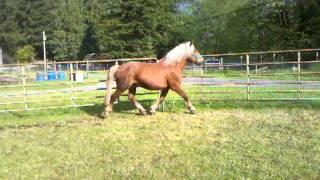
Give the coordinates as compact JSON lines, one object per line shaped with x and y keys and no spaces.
{"x":110,"y":79}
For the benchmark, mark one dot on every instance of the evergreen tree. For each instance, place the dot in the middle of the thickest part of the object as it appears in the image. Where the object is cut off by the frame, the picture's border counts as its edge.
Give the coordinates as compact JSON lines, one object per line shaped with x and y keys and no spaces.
{"x":92,"y":10}
{"x":308,"y":20}
{"x":134,"y":28}
{"x":68,"y":31}
{"x":9,"y":29}
{"x":22,"y":23}
{"x":33,"y":19}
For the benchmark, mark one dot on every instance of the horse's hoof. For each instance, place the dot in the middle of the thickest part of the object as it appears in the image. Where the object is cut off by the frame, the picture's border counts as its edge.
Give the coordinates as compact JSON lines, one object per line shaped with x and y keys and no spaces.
{"x":152,"y":112}
{"x":144,"y":113}
{"x":193,"y":111}
{"x":104,"y":114}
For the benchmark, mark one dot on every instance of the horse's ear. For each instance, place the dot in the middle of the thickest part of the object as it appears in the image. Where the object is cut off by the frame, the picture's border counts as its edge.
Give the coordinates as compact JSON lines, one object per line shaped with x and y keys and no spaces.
{"x":191,"y":43}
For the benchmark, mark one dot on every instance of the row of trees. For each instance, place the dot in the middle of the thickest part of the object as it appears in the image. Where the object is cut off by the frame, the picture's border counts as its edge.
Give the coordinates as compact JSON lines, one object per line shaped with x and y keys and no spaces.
{"x":256,"y":25}
{"x":137,"y":28}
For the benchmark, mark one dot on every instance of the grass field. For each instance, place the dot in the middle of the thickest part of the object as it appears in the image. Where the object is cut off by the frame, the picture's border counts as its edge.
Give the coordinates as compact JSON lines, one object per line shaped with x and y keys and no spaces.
{"x":224,"y":140}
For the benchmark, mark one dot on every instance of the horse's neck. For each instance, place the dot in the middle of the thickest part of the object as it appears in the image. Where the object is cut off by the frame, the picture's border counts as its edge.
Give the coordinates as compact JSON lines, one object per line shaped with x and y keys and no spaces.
{"x":182,"y":64}
{"x":179,"y":66}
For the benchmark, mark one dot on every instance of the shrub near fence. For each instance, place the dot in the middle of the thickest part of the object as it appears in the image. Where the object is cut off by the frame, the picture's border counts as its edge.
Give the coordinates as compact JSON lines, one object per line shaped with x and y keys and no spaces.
{"x":276,"y":75}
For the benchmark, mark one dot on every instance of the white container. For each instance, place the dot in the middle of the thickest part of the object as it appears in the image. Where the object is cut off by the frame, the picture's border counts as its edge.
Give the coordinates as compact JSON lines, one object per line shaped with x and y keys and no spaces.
{"x":79,"y":76}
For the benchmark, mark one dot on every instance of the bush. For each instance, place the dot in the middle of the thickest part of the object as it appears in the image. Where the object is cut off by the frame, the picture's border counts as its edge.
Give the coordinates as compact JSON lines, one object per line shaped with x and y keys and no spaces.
{"x":26,"y":54}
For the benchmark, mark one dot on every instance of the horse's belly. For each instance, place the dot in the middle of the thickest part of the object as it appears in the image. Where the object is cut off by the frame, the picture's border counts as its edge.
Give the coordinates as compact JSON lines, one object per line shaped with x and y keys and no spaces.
{"x":153,"y":83}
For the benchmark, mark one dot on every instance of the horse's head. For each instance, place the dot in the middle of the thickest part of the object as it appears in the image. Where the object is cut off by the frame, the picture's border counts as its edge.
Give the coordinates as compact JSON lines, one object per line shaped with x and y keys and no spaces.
{"x":185,"y":51}
{"x":195,"y":56}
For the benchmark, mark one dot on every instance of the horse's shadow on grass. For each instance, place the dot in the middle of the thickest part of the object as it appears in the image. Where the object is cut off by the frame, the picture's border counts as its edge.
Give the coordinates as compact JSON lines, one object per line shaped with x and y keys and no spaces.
{"x":179,"y":106}
{"x":121,"y":107}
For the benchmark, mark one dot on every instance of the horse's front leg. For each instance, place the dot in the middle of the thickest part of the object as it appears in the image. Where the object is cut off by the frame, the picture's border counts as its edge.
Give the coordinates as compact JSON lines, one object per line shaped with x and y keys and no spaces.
{"x":184,"y":95}
{"x":132,"y":98}
{"x":156,"y":105}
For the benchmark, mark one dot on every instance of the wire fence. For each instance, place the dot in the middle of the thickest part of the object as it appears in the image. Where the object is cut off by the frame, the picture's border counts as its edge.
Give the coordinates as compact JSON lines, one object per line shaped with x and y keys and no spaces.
{"x":276,"y":75}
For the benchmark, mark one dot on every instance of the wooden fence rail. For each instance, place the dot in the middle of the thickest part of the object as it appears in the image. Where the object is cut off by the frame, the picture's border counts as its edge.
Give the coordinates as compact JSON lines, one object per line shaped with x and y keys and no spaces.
{"x":245,"y":79}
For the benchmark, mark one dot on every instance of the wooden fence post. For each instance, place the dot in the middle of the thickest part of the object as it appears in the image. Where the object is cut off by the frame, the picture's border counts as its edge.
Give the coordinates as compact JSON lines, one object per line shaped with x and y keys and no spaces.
{"x":77,"y":65}
{"x":248,"y":76}
{"x":299,"y":75}
{"x":118,"y":99}
{"x":71,"y":84}
{"x":274,"y":60}
{"x":55,"y":66}
{"x":192,"y":69}
{"x":201,"y":73}
{"x":55,"y":69}
{"x":241,"y":57}
{"x":317,"y":56}
{"x":87,"y":68}
{"x":256,"y":69}
{"x":24,"y":84}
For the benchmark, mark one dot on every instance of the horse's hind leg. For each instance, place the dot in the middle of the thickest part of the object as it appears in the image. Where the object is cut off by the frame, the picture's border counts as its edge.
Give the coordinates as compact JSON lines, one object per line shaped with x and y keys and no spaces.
{"x":184,"y":95}
{"x":156,"y":105}
{"x":113,"y":98}
{"x":132,"y":98}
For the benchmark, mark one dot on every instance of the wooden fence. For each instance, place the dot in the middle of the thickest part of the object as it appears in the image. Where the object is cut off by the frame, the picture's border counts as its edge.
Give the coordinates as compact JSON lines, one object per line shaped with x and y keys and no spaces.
{"x":279,"y":75}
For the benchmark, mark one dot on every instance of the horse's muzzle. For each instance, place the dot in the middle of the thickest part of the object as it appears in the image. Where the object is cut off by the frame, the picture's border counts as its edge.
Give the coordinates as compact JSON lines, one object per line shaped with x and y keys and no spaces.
{"x":199,"y":61}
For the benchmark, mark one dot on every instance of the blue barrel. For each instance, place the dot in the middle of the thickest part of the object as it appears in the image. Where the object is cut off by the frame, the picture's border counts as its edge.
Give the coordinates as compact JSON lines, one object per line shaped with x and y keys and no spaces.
{"x":51,"y":76}
{"x":62,"y":76}
{"x":41,"y":76}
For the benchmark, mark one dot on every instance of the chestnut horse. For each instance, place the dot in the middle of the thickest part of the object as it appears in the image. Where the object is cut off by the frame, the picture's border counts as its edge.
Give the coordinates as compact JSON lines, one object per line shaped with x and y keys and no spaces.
{"x":163,"y":75}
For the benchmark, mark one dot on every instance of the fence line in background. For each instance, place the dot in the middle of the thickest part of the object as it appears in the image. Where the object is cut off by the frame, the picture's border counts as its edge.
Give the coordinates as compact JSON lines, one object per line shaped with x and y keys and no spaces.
{"x":263,"y":52}
{"x":248,"y":82}
{"x":85,"y":61}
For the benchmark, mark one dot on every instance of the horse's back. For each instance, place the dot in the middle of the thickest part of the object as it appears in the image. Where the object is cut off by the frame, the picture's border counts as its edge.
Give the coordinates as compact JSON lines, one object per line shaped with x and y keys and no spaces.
{"x":139,"y":68}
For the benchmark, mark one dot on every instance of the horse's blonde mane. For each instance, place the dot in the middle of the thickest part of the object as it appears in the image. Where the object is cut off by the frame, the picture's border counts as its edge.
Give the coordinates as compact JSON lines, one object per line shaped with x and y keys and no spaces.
{"x":179,"y":52}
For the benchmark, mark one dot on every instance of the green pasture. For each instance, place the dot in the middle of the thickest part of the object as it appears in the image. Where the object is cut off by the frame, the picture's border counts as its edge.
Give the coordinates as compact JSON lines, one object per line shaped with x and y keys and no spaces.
{"x":224,"y":140}
{"x":228,"y":138}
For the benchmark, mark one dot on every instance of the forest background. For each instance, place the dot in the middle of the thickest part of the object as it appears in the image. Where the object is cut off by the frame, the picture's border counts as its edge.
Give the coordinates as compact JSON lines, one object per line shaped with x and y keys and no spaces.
{"x":148,"y":28}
